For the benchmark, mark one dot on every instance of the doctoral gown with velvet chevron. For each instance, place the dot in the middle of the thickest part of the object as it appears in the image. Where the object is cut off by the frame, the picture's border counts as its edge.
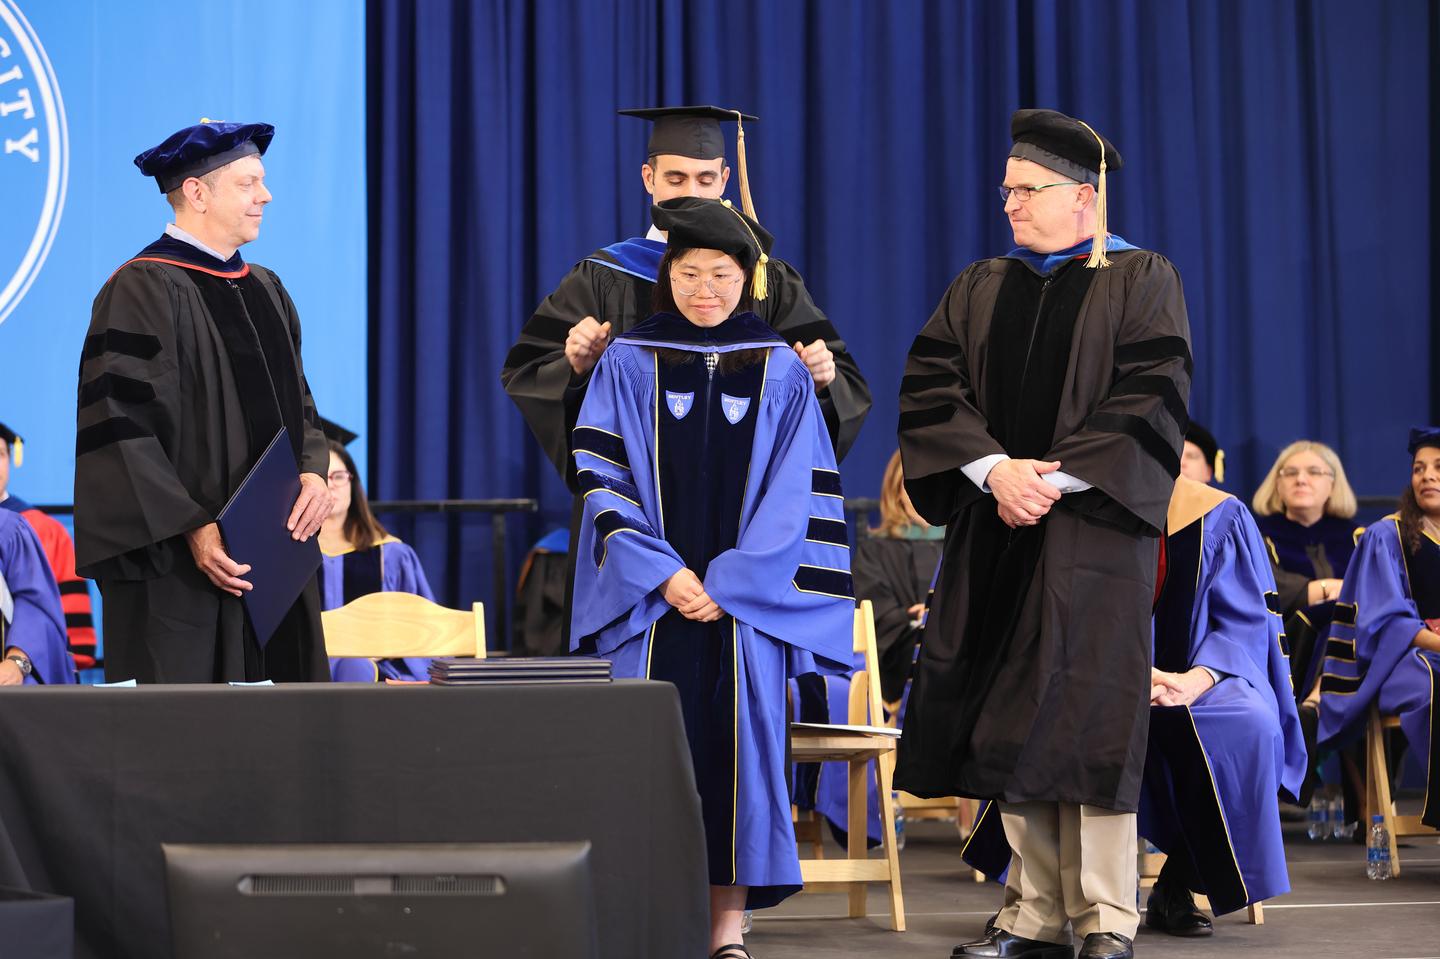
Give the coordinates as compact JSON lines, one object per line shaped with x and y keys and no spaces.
{"x":706,"y":449}
{"x":1033,"y":677}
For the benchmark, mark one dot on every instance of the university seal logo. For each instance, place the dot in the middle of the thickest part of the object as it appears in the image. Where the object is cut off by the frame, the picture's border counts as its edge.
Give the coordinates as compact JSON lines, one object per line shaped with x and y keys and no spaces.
{"x":34,"y":156}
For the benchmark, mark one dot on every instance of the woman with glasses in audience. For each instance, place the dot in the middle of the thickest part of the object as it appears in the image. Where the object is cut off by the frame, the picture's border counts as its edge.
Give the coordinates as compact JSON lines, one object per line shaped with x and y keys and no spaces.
{"x":1305,"y":510}
{"x":361,"y":557}
{"x":1384,"y":645}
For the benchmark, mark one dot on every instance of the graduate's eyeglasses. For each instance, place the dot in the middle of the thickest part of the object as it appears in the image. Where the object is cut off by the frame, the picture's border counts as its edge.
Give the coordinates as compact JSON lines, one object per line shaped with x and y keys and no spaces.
{"x":688,"y":284}
{"x":339,"y":477}
{"x":1313,"y":472}
{"x":1024,"y":193}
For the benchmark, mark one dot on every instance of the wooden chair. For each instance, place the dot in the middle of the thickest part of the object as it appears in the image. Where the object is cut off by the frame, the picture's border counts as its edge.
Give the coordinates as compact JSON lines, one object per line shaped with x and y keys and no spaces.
{"x":1150,"y":863}
{"x":1378,"y":801}
{"x":831,"y":744}
{"x":399,"y":625}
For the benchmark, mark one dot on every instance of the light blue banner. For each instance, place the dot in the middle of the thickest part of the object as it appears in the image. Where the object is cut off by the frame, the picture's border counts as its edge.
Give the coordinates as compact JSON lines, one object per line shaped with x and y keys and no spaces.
{"x":85,"y":85}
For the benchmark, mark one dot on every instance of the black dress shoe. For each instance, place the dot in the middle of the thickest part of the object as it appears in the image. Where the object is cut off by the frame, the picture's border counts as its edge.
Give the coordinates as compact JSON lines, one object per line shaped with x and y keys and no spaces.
{"x":1000,"y":944}
{"x":1172,"y":909}
{"x":1107,"y":945}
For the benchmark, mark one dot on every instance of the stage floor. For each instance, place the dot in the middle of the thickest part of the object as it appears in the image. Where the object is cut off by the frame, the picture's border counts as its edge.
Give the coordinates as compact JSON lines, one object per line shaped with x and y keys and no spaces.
{"x":1331,"y":911}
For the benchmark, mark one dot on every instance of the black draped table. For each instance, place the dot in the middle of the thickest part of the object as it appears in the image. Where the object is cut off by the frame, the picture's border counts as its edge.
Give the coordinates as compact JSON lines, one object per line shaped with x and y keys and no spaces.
{"x":92,"y":781}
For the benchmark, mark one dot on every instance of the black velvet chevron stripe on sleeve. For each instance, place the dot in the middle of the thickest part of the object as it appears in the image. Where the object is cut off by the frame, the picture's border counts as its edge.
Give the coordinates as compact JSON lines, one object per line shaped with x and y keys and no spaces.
{"x":608,"y":523}
{"x":599,"y":443}
{"x":825,"y":482}
{"x":142,"y":346}
{"x":592,"y":481}
{"x":1159,"y":348}
{"x":113,"y":430}
{"x":930,"y":416}
{"x":928,"y":346}
{"x":1140,"y":430}
{"x":124,"y":388}
{"x":1159,"y":386}
{"x":829,"y":582}
{"x":832,"y":531}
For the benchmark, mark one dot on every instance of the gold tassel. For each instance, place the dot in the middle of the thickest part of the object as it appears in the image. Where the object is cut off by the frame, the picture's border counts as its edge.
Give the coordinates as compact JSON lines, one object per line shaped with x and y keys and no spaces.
{"x":1219,"y":466}
{"x":17,"y":452}
{"x":1098,"y":259}
{"x":746,"y":202}
{"x":759,"y":283}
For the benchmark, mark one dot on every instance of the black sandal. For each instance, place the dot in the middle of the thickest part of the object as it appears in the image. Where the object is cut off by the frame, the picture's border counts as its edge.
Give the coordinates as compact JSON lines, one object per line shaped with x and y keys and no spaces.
{"x":734,"y":951}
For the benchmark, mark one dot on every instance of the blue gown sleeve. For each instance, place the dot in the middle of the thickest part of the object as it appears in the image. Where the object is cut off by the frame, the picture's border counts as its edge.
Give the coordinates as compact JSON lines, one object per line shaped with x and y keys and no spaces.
{"x":788,"y":575}
{"x":37,"y":626}
{"x":621,"y":557}
{"x":403,"y":572}
{"x":1237,"y":633}
{"x":1373,"y":628}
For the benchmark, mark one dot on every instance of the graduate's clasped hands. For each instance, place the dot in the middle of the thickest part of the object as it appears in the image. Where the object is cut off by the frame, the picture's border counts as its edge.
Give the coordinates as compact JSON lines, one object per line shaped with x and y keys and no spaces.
{"x":687,"y":594}
{"x":1178,"y":689}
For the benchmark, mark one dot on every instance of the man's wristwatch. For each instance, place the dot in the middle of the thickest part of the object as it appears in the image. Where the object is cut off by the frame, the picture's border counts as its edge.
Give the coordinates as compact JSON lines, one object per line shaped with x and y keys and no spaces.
{"x":24,"y":664}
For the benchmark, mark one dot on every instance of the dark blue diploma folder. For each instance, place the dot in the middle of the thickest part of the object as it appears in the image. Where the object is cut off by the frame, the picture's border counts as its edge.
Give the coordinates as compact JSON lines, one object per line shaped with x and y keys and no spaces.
{"x":253,"y":525}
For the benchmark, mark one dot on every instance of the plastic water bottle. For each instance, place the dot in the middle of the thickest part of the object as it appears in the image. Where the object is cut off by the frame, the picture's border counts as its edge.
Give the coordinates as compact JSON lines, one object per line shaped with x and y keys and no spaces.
{"x":1337,"y":816}
{"x":1377,"y":859}
{"x":747,"y":920}
{"x":899,"y":821}
{"x":1316,"y":818}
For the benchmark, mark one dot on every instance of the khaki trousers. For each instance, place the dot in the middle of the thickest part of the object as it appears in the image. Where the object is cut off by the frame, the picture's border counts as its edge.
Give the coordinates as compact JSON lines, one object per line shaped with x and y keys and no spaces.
{"x":1069,"y":863}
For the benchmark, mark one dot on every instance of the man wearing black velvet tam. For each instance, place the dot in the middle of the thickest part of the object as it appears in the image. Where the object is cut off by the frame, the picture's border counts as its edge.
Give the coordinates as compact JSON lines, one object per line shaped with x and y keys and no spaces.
{"x":1041,"y":418}
{"x":190,"y":368}
{"x":1202,"y":459}
{"x":610,"y":291}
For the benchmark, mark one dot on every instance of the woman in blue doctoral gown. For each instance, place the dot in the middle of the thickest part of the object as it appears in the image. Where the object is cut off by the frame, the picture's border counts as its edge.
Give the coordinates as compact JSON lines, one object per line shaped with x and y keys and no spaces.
{"x":713,"y":553}
{"x":361,"y":557}
{"x":32,"y":627}
{"x":1384,"y":649}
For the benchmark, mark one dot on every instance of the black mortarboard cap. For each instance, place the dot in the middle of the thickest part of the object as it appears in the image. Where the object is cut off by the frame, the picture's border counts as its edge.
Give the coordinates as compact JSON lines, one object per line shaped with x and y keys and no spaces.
{"x":696,"y":223}
{"x":1071,"y":148}
{"x":334,"y":431}
{"x":1424,"y":436}
{"x":687,"y":131}
{"x":17,"y":445}
{"x":1062,"y":144}
{"x":206,"y":146}
{"x":1214,"y":455}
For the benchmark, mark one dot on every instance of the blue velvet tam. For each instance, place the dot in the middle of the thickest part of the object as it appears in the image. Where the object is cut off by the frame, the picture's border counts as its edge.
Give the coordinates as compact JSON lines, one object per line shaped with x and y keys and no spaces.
{"x":1424,"y":436}
{"x":197,"y":150}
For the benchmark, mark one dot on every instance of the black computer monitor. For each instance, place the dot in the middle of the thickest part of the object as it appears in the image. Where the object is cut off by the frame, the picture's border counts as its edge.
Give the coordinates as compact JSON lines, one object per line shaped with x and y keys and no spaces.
{"x":396,"y":901}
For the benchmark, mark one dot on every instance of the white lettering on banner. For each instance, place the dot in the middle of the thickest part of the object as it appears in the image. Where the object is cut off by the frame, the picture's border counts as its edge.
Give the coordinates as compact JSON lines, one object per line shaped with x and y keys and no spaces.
{"x":4,"y":49}
{"x":22,"y":103}
{"x":25,"y":145}
{"x":14,"y":73}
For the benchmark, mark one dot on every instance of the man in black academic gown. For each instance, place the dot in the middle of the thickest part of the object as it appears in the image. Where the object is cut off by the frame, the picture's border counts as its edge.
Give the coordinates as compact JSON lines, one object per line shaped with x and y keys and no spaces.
{"x":190,"y":368}
{"x":610,"y":291}
{"x":1041,"y":419}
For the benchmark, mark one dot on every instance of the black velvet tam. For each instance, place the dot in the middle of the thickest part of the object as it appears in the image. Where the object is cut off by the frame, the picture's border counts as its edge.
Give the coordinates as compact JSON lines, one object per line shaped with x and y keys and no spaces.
{"x":687,"y":131}
{"x":1061,"y":143}
{"x":206,"y":146}
{"x":1424,"y":436}
{"x":694,"y":223}
{"x":1201,"y":437}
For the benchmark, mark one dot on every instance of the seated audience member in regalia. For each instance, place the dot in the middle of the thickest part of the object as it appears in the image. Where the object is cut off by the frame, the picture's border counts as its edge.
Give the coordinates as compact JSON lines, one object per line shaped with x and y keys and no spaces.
{"x":361,"y":557}
{"x":712,"y":553}
{"x":894,"y":568}
{"x":1201,"y":458}
{"x":1224,"y":737}
{"x":1383,"y":648}
{"x":59,"y":551}
{"x":1305,"y":510}
{"x":32,"y":627}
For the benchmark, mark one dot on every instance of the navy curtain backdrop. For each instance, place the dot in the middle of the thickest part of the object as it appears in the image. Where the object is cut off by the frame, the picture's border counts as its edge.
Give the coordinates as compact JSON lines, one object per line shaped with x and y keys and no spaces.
{"x":1277,"y":152}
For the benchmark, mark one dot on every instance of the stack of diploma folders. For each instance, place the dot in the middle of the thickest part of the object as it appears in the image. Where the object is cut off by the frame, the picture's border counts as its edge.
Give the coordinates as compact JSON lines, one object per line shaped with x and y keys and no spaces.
{"x":519,"y":670}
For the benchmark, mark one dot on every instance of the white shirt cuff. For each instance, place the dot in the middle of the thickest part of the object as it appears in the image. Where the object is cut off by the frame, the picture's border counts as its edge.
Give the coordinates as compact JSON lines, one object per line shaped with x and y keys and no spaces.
{"x":1215,"y":675}
{"x":979,"y":469}
{"x":1064,"y":482}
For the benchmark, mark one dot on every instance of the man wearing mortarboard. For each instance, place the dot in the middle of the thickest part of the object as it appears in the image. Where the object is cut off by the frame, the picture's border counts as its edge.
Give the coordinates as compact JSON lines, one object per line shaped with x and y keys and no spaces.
{"x":1041,"y":418}
{"x":190,"y":368}
{"x":59,"y":551}
{"x":610,"y":291}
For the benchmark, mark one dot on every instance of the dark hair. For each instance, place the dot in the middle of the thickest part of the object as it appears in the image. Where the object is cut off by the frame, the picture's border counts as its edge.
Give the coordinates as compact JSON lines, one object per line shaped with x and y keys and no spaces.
{"x":663,"y":300}
{"x":1411,"y":520}
{"x":362,"y":529}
